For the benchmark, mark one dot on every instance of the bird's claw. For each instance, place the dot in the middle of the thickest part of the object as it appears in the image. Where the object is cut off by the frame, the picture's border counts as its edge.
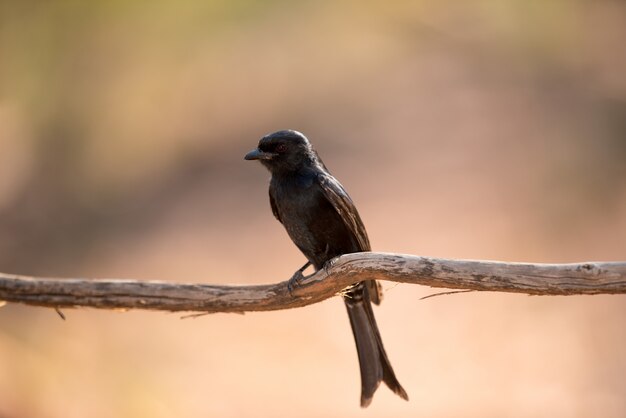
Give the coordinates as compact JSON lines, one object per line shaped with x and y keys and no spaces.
{"x":295,"y":281}
{"x":329,"y":264}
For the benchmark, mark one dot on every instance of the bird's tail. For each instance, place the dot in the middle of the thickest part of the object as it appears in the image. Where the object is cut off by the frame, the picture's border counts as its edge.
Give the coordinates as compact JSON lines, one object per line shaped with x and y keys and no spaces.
{"x":374,"y":364}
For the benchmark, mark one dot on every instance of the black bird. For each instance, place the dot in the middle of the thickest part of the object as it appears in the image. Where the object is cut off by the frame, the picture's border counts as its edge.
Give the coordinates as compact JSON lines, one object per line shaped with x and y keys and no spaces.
{"x":323,"y":222}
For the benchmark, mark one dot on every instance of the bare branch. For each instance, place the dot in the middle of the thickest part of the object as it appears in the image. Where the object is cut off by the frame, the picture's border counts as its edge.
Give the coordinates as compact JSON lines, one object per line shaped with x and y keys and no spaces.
{"x":534,"y":279}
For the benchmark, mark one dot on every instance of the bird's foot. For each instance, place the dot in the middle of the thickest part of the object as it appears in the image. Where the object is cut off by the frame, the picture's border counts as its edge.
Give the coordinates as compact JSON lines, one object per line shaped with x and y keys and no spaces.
{"x":329,"y":264}
{"x":295,"y":281}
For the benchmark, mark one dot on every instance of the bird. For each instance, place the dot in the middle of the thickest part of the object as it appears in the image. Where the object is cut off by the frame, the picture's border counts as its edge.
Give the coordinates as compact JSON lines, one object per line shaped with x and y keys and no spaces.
{"x":323,"y":222}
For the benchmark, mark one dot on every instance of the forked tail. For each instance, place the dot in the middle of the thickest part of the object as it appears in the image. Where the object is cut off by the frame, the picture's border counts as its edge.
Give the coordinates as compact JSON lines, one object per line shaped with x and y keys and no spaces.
{"x":373,"y":362}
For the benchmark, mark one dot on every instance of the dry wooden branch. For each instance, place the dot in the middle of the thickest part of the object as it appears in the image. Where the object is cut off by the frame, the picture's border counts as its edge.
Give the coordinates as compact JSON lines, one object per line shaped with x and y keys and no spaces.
{"x":534,"y":279}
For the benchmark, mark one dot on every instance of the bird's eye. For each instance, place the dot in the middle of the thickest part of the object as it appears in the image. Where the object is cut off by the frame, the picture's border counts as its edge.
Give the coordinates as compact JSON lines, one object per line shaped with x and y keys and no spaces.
{"x":281,"y":148}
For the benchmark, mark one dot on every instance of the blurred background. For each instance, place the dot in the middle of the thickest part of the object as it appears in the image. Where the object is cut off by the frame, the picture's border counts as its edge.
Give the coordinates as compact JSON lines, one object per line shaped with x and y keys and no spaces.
{"x":484,"y":129}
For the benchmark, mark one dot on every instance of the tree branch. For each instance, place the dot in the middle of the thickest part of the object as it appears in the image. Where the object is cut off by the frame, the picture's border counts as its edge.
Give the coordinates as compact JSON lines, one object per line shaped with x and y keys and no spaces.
{"x":533,"y":279}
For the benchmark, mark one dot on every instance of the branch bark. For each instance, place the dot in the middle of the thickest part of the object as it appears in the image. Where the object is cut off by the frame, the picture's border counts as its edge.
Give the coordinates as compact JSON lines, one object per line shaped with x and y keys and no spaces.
{"x":533,"y":279}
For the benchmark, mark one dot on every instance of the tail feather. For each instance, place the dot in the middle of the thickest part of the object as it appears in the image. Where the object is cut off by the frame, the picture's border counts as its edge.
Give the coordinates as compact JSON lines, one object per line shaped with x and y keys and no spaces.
{"x":373,"y":362}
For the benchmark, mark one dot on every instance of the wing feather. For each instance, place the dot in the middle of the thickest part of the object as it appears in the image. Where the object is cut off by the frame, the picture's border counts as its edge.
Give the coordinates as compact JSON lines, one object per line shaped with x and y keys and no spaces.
{"x":341,"y":201}
{"x":339,"y":198}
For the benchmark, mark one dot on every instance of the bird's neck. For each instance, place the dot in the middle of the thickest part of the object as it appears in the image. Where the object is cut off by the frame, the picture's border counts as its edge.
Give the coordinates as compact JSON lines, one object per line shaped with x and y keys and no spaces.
{"x":302,"y":166}
{"x":301,"y":177}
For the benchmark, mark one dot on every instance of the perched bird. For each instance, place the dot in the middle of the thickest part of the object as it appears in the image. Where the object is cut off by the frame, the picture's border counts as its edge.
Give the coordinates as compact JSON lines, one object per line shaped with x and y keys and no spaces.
{"x":323,"y":222}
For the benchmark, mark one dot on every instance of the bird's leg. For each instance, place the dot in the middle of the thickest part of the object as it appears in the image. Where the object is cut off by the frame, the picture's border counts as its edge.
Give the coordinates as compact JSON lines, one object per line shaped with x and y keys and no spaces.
{"x":329,"y":264}
{"x":330,"y":260}
{"x":297,"y":277}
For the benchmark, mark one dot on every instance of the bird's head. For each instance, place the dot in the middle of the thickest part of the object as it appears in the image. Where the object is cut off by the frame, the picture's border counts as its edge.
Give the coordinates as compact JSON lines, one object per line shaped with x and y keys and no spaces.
{"x":283,"y":151}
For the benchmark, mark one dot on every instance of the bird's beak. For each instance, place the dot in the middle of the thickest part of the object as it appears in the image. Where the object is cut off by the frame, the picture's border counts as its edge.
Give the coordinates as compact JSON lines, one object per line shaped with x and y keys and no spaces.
{"x":257,"y":154}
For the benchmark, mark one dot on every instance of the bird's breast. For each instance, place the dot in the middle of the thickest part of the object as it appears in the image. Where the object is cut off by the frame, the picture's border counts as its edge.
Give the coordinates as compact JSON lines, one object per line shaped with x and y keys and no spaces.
{"x":311,"y":221}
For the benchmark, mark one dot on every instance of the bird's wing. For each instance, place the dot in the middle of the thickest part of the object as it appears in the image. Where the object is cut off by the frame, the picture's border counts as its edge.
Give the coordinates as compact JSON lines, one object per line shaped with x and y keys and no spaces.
{"x":274,"y":208}
{"x":338,"y":197}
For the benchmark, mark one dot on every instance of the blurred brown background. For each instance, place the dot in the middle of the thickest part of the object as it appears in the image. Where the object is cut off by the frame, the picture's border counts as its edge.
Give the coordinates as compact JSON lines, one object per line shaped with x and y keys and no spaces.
{"x":483,"y":129}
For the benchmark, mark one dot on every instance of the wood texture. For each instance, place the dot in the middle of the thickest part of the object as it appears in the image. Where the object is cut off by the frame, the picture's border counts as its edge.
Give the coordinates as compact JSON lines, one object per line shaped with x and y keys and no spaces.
{"x":535,"y":279}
